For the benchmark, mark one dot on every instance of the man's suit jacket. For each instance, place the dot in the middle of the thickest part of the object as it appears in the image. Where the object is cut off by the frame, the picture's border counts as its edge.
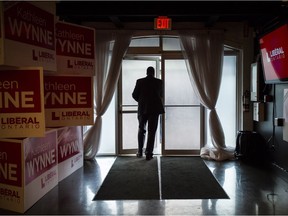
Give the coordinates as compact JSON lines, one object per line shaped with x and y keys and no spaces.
{"x":148,"y":92}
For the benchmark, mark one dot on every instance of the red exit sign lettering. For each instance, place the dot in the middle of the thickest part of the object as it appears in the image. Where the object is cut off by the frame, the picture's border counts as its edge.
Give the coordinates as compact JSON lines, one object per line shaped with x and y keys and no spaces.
{"x":162,"y":23}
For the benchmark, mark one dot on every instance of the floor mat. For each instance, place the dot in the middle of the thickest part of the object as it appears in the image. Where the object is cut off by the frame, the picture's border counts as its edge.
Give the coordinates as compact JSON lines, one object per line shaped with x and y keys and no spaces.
{"x":188,"y":178}
{"x":130,"y":178}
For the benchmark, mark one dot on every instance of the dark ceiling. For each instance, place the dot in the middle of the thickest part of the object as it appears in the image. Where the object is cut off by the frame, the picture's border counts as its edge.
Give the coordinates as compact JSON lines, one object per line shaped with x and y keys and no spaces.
{"x":260,"y":15}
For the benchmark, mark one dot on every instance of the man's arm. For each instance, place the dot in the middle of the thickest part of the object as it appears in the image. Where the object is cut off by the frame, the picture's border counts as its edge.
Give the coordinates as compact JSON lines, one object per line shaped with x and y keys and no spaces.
{"x":161,"y":90}
{"x":135,"y":93}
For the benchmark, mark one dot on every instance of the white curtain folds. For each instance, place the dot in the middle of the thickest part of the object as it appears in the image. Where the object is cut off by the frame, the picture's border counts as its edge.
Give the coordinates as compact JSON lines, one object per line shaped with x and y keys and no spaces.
{"x":204,"y":52}
{"x":108,"y":63}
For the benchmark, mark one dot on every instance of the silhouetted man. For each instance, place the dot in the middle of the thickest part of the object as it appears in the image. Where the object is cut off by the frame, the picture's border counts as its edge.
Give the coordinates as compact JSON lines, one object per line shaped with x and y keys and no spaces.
{"x":148,"y":92}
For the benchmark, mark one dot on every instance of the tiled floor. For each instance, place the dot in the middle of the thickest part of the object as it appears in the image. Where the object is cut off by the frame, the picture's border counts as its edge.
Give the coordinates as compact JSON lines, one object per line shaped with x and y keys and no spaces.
{"x":252,"y":191}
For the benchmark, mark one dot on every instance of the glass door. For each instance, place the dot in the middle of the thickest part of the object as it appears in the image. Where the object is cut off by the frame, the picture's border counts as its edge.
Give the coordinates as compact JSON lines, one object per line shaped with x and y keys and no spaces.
{"x":179,"y":129}
{"x":183,"y":113}
{"x":133,"y":69}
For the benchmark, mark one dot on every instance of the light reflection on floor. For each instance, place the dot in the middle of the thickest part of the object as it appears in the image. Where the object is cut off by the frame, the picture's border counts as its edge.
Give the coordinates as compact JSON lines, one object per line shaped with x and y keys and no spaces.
{"x":251,"y":190}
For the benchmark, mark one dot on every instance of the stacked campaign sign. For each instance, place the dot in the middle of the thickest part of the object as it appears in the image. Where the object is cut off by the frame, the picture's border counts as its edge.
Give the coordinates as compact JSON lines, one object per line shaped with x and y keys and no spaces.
{"x":28,"y":150}
{"x":68,"y":101}
{"x":70,"y":150}
{"x":69,"y":92}
{"x":56,"y":92}
{"x":29,"y":36}
{"x":28,"y":170}
{"x":75,"y":49}
{"x":21,"y":104}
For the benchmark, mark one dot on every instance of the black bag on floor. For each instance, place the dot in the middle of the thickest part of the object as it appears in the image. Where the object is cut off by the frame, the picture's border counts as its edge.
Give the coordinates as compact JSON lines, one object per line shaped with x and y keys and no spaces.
{"x":251,"y":147}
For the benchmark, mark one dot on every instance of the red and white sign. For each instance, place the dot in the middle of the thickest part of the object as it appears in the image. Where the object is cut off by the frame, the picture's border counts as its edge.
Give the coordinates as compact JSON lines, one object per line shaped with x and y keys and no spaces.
{"x":70,"y":150}
{"x":28,"y":170}
{"x":10,"y":164}
{"x":68,"y":101}
{"x":274,"y":47}
{"x":40,"y":156}
{"x":75,"y":49}
{"x":22,"y":103}
{"x":11,"y":175}
{"x":29,"y":36}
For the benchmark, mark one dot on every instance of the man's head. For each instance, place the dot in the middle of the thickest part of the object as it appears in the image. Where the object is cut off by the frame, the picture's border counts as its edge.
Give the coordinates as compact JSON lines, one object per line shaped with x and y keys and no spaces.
{"x":150,"y":71}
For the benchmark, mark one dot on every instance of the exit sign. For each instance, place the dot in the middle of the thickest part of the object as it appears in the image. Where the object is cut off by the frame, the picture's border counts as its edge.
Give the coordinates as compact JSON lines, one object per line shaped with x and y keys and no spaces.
{"x":162,"y":23}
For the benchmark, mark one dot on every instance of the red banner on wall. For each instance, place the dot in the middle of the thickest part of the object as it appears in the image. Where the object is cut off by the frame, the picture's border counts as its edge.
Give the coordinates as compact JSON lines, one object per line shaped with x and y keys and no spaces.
{"x":68,"y":100}
{"x":273,"y":47}
{"x":21,"y":103}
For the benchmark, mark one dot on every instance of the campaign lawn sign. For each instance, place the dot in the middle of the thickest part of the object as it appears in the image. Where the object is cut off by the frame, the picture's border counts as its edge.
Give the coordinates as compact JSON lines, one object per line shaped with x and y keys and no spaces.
{"x":28,"y":34}
{"x":28,"y":170}
{"x":22,"y":103}
{"x":75,"y":49}
{"x":68,"y":100}
{"x":70,"y":150}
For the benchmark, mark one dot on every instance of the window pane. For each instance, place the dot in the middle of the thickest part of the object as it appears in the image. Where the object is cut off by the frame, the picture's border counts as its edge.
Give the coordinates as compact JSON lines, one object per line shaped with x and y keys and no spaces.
{"x":182,"y":128}
{"x":145,"y":42}
{"x":178,"y":89}
{"x":182,"y":124}
{"x":171,"y":44}
{"x":130,"y":131}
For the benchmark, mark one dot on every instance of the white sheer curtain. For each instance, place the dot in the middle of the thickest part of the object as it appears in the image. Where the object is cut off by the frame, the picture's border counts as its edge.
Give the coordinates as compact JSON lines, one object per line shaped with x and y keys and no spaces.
{"x":106,"y":78}
{"x":203,"y":52}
